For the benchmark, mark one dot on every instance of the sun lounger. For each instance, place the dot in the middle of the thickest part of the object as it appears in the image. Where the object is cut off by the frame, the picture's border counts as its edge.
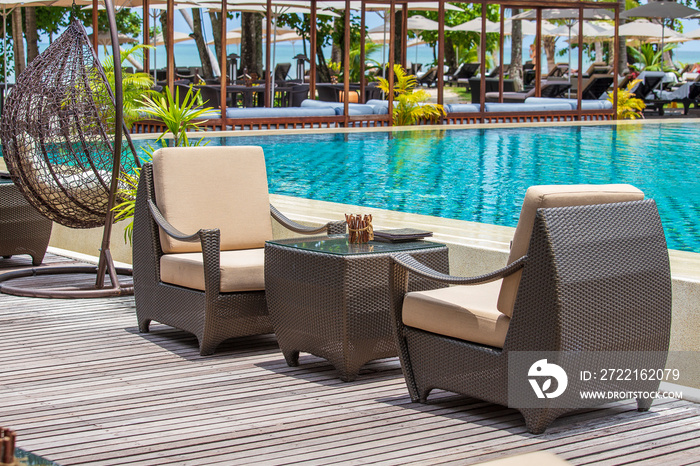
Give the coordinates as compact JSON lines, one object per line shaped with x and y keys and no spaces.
{"x":492,"y":85}
{"x":429,"y":78}
{"x":548,"y":89}
{"x":687,"y":93}
{"x":596,"y":86}
{"x":464,"y":72}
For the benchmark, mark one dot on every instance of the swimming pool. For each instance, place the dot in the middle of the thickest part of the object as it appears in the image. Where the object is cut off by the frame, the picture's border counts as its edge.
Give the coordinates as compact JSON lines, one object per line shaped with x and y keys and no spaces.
{"x":481,"y":175}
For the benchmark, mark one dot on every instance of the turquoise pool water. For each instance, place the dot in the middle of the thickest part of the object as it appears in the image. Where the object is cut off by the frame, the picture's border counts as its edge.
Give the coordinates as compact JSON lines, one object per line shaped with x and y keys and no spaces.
{"x":481,"y":175}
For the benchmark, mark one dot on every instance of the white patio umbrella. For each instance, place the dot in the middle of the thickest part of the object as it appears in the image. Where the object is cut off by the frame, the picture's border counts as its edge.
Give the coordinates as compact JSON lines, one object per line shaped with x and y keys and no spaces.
{"x":589,"y":30}
{"x":154,"y":5}
{"x":566,"y":13}
{"x":104,"y":38}
{"x":694,"y":34}
{"x":412,"y":6}
{"x":660,"y":10}
{"x":421,"y":23}
{"x":279,"y":7}
{"x":233,"y":36}
{"x":643,"y":29}
{"x":474,"y":25}
{"x":178,"y":37}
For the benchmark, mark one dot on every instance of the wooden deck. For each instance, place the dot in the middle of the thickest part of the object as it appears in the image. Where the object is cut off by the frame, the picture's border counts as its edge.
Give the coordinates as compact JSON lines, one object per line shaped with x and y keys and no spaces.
{"x":80,"y":385}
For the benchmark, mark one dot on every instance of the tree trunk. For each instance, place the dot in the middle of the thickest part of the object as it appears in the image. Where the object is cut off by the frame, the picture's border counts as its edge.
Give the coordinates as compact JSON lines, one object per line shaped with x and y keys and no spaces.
{"x":323,"y":74}
{"x":18,"y":41}
{"x":31,"y":33}
{"x":516,"y":52}
{"x":549,"y":43}
{"x":207,"y":71}
{"x":163,"y":17}
{"x":599,"y":51}
{"x":621,"y":52}
{"x":398,"y":34}
{"x":338,"y":32}
{"x":215,"y":18}
{"x":251,"y":43}
{"x":450,"y":55}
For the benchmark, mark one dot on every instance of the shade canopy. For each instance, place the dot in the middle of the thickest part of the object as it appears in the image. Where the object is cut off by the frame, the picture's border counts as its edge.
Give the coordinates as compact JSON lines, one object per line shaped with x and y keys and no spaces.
{"x":421,"y":23}
{"x":590,"y":30}
{"x":10,"y":4}
{"x":233,"y":36}
{"x":105,"y":38}
{"x":655,"y":9}
{"x":260,"y":6}
{"x":178,"y":37}
{"x":567,"y":13}
{"x":381,"y":38}
{"x":643,"y":29}
{"x":412,"y":6}
{"x":694,"y":34}
{"x":474,"y":25}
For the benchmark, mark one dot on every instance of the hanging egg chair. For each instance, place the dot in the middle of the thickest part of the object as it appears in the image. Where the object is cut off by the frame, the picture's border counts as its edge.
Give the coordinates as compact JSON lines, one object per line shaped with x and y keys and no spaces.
{"x":61,"y":134}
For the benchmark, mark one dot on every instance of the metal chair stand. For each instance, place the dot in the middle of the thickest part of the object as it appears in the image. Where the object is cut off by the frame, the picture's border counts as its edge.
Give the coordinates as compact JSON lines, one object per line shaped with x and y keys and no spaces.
{"x":57,"y":129}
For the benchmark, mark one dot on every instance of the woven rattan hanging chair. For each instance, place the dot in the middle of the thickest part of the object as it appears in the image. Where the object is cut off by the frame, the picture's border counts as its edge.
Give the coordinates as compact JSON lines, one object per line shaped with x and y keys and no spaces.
{"x":61,"y":135}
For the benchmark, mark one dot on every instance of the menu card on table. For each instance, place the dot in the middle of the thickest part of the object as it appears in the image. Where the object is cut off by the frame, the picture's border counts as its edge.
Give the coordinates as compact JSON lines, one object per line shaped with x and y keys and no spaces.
{"x":400,"y":235}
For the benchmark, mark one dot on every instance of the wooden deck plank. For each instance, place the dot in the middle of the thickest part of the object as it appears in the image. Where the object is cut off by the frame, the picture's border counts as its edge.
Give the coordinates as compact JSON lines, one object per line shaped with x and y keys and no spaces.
{"x":80,"y":385}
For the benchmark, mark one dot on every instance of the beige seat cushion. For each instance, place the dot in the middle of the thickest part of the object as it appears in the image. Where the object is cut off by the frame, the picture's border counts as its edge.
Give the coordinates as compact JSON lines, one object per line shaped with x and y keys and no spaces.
{"x":535,"y":458}
{"x":242,"y":270}
{"x":464,"y":312}
{"x":213,"y":187}
{"x":546,"y":196}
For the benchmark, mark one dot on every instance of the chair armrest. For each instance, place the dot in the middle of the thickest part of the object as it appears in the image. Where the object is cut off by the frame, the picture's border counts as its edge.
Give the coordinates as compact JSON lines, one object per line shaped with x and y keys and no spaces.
{"x":211,"y":244}
{"x":412,"y":265}
{"x":331,"y":228}
{"x":167,"y":227}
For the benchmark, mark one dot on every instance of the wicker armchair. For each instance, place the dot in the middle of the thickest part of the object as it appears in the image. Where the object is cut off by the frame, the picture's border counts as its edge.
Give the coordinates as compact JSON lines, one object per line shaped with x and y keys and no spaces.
{"x":209,"y":283}
{"x":590,"y":277}
{"x":23,"y":230}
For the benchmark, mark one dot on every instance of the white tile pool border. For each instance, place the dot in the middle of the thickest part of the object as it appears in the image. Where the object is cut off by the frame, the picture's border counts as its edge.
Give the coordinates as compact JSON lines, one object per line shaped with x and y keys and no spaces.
{"x":390,"y":129}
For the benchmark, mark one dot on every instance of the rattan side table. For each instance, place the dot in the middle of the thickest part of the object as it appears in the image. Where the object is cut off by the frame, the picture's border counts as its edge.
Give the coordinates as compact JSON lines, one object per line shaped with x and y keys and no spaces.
{"x":23,"y":230}
{"x":331,"y":298}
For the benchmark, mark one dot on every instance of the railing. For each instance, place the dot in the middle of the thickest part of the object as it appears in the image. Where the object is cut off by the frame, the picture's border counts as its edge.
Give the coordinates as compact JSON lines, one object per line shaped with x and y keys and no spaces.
{"x":368,"y":121}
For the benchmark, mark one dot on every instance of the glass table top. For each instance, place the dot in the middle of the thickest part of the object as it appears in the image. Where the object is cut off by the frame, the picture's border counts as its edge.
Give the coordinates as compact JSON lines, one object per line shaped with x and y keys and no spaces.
{"x":339,"y":244}
{"x":30,"y":459}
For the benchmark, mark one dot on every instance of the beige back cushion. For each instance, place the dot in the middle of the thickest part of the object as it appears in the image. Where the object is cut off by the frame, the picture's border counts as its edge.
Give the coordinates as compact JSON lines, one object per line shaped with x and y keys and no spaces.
{"x":213,"y":187}
{"x":546,"y":196}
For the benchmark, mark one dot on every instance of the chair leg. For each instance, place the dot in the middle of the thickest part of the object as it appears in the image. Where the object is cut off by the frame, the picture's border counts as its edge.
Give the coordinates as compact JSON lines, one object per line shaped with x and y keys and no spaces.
{"x":144,"y":325}
{"x":423,"y":395}
{"x":37,"y":259}
{"x":208,"y":349}
{"x":292,"y":358}
{"x":537,"y":420}
{"x":643,"y":404}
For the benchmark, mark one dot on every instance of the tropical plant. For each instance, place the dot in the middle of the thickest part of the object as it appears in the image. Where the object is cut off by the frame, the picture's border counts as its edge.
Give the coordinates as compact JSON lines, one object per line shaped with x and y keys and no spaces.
{"x":628,"y":106}
{"x":410,"y":105}
{"x":125,"y":209}
{"x":649,"y":59}
{"x":135,"y":86}
{"x":370,"y":64}
{"x":178,"y":119}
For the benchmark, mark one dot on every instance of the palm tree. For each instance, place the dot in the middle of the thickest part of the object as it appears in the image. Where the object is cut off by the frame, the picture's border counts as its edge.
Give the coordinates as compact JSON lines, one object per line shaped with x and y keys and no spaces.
{"x":135,"y":86}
